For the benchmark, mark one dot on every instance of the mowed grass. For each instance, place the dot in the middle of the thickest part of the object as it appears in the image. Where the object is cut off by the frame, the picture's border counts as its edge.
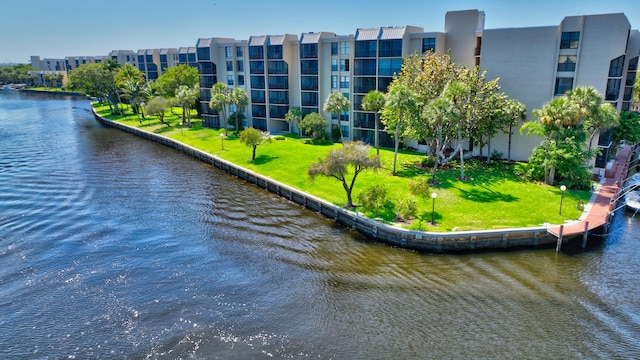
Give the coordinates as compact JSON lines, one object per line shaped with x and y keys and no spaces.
{"x":492,"y":198}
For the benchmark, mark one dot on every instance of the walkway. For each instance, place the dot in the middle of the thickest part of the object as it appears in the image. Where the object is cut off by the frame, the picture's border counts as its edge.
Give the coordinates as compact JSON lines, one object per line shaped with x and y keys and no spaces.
{"x":598,"y":209}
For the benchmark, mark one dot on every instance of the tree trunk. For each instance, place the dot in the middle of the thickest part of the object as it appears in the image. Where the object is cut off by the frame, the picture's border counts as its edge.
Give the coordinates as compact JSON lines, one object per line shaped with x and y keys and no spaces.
{"x":396,"y":145}
{"x":489,"y":150}
{"x":462,"y":177}
{"x":436,"y":155}
{"x":253,"y":155}
{"x":509,"y":147}
{"x":376,"y":136}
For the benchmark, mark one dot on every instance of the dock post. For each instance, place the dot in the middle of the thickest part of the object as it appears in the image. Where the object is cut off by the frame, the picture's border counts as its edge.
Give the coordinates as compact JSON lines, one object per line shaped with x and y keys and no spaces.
{"x":559,"y":245}
{"x":586,"y":233}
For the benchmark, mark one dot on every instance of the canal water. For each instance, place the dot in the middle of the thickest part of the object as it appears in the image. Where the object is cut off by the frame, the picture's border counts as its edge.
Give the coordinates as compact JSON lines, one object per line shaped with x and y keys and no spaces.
{"x":115,"y":247}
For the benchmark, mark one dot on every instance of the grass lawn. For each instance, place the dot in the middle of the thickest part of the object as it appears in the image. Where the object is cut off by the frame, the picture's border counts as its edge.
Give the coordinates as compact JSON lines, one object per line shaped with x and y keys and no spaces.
{"x":493,"y":197}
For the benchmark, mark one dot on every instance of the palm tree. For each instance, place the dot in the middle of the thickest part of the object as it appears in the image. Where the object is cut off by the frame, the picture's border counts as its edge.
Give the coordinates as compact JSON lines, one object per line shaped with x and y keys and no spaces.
{"x":399,"y":100}
{"x":514,"y":113}
{"x":337,"y":103}
{"x":219,"y":99}
{"x":239,"y":98}
{"x":186,"y":96}
{"x":293,"y":116}
{"x":374,"y":102}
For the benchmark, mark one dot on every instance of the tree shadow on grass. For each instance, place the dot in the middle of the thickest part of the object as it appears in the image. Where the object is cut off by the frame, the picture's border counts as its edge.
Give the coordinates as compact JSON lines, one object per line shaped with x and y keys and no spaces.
{"x":410,"y":170}
{"x":263,"y":159}
{"x":163,"y":130}
{"x":483,"y":194}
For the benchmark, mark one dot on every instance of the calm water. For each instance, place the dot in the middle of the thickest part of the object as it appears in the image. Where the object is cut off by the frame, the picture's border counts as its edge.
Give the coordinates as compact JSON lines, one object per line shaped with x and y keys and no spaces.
{"x":115,"y":247}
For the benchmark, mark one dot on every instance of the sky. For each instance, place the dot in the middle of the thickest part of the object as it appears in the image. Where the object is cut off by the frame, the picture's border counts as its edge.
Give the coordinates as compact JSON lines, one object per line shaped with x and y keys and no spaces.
{"x":56,"y":29}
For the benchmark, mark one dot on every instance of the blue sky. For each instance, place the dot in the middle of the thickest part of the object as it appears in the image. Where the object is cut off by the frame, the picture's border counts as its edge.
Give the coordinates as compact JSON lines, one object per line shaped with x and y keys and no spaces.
{"x":55,"y":29}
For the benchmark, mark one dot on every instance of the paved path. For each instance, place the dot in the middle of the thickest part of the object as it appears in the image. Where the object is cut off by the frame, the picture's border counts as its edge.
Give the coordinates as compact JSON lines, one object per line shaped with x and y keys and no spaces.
{"x":597,"y":211}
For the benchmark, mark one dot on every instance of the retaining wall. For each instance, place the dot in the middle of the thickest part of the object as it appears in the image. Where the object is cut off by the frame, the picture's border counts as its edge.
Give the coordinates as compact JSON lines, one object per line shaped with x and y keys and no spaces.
{"x":460,"y":241}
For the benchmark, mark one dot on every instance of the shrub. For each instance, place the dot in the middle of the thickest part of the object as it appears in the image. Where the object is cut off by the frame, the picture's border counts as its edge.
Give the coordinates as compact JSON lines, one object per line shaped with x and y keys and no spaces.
{"x":406,"y":209}
{"x":419,"y":187}
{"x":279,"y":137}
{"x":374,"y":197}
{"x":428,"y":161}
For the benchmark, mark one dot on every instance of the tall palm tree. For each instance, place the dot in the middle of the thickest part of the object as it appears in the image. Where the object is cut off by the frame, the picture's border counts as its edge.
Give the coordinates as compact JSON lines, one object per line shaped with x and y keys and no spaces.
{"x":220,"y":100}
{"x":514,"y":113}
{"x":399,"y":101}
{"x":374,"y":102}
{"x":337,"y":103}
{"x":186,"y":96}
{"x":239,"y":98}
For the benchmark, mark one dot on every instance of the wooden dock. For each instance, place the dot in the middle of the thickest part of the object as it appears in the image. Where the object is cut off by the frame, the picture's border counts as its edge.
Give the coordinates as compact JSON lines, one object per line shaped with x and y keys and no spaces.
{"x":597,"y":211}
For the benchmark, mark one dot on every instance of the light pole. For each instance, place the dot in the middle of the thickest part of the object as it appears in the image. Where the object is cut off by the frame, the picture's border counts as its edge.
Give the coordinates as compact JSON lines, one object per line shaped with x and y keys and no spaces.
{"x":433,"y":207}
{"x":221,"y":141}
{"x":562,"y":188}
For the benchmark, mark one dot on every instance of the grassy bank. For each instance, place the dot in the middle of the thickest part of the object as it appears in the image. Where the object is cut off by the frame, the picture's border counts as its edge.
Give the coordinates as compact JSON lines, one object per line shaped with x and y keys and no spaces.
{"x":493,"y":198}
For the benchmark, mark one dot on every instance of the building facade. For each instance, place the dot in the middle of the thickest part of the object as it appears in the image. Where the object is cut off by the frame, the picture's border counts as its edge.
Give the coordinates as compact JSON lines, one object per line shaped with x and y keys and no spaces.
{"x":278,"y":72}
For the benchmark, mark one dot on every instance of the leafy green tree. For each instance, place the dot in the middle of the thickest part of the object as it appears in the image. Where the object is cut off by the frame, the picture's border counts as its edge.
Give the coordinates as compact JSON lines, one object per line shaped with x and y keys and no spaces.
{"x":94,"y":80}
{"x":337,"y":164}
{"x":293,"y":116}
{"x":238,"y":97}
{"x":440,"y":112}
{"x":185,"y":97}
{"x":628,"y":129}
{"x":254,"y":137}
{"x":176,"y":76}
{"x":220,"y":99}
{"x":337,"y":103}
{"x":374,"y":101}
{"x":157,"y":106}
{"x":313,"y":124}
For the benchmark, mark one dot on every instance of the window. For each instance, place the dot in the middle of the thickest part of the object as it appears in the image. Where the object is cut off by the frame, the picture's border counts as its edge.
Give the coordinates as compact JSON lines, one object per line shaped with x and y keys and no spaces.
{"x":238,"y":52}
{"x":241,"y":80}
{"x":278,"y":67}
{"x":334,"y":64}
{"x":240,"y":65}
{"x":258,"y":111}
{"x":278,"y":82}
{"x":390,"y":48}
{"x":344,"y":82}
{"x":362,"y":85}
{"x":563,"y":85}
{"x":278,"y":112}
{"x":257,"y":82}
{"x":149,"y":58}
{"x":388,"y":67}
{"x":567,"y":63}
{"x":140,"y":59}
{"x":256,"y":67}
{"x":344,"y":64}
{"x":257,"y":96}
{"x":256,"y":52}
{"x":309,"y":99}
{"x":334,"y":48}
{"x":274,"y":52}
{"x":366,"y":48}
{"x":309,"y":83}
{"x":616,"y":67}
{"x":207,"y":68}
{"x":309,"y":67}
{"x":228,"y":52}
{"x":203,"y":54}
{"x":364,"y":67}
{"x":570,"y":40}
{"x":279,"y":97}
{"x":613,"y":90}
{"x":428,"y":44}
{"x":309,"y":51}
{"x":230,"y":80}
{"x":334,"y":81}
{"x":344,"y":48}
{"x":229,"y":65}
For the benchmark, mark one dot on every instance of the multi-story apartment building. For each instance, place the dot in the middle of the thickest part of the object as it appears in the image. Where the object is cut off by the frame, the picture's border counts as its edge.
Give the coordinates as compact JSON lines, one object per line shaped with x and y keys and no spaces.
{"x":124,"y":57}
{"x":48,"y":64}
{"x":534,"y":65}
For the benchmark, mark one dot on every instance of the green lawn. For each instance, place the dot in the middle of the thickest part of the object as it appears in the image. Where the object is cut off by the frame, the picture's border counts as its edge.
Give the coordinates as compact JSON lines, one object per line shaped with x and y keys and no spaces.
{"x":492,"y":198}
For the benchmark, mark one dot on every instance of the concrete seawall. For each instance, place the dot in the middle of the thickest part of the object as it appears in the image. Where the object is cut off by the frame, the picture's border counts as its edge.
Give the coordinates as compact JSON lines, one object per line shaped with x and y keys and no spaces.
{"x":439,"y":242}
